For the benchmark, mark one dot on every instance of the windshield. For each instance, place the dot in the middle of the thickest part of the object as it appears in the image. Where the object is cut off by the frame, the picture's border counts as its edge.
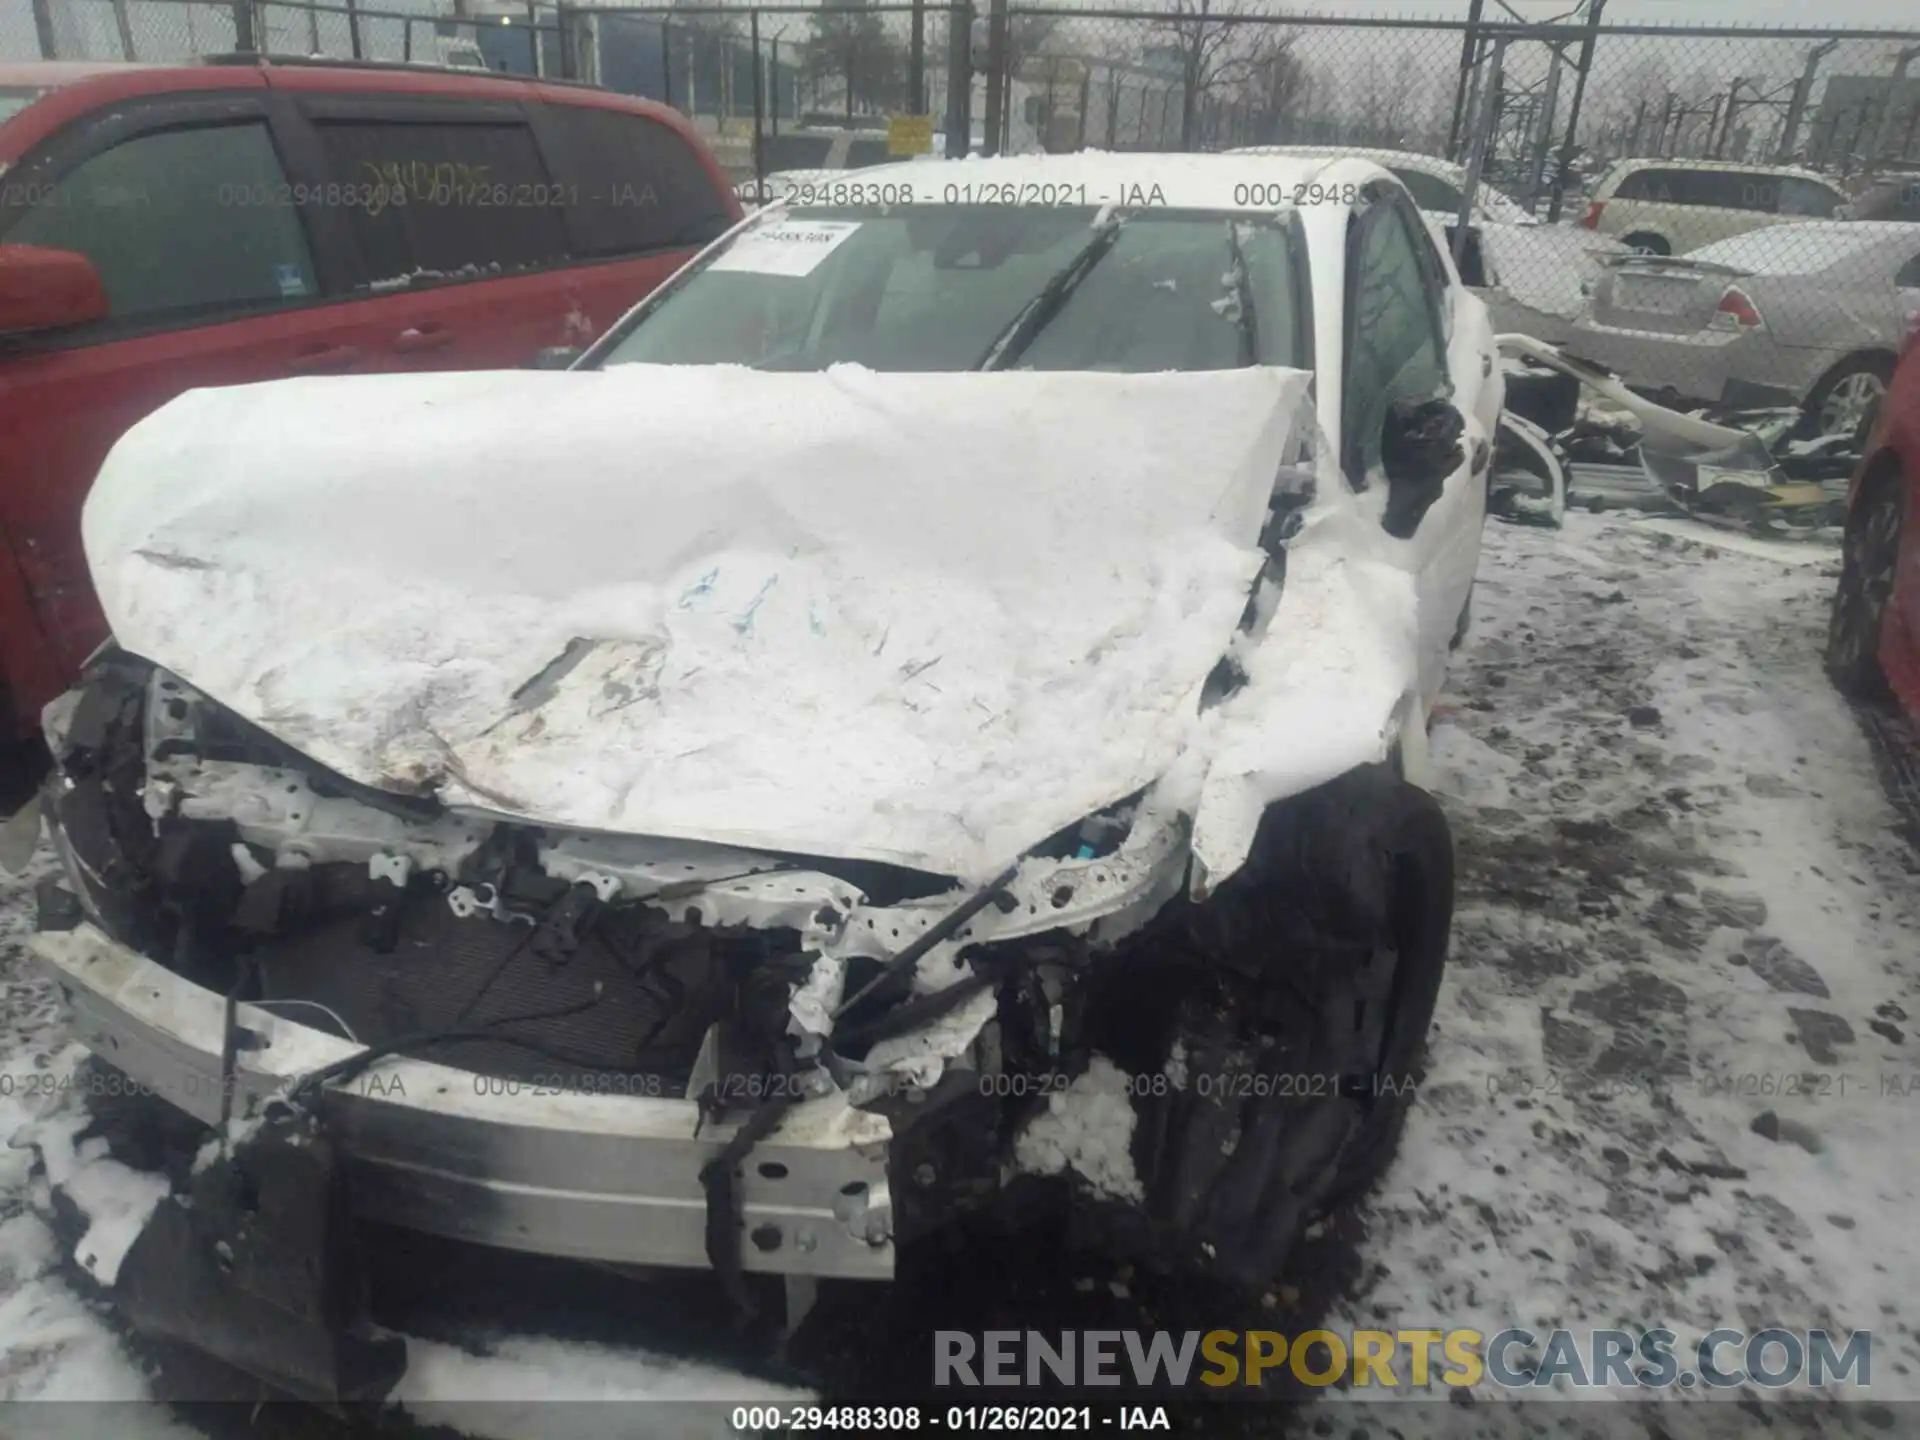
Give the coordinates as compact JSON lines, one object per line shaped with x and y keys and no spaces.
{"x":943,"y":287}
{"x":15,"y":98}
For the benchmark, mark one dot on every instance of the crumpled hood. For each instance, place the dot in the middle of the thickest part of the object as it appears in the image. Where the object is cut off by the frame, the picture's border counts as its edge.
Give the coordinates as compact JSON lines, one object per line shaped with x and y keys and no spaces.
{"x":925,"y":619}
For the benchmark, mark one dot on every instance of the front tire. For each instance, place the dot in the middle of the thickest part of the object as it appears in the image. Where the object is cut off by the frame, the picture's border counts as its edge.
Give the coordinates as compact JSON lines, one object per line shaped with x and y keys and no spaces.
{"x":1869,"y":555}
{"x":1647,"y":243}
{"x":1301,"y":1031}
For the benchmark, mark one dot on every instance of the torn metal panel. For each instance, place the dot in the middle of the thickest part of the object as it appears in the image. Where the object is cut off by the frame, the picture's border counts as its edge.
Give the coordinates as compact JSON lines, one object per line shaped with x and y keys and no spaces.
{"x":1526,"y":447}
{"x":1668,"y":429}
{"x":275,"y":808}
{"x":1753,"y":477}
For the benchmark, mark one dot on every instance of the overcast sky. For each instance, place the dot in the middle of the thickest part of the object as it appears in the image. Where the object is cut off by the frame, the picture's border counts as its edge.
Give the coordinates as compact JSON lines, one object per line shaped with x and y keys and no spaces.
{"x":1891,"y":14}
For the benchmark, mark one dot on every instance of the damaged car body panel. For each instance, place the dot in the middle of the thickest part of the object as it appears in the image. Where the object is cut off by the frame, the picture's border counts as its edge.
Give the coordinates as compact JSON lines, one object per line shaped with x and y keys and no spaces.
{"x":662,"y":869}
{"x":919,"y":562}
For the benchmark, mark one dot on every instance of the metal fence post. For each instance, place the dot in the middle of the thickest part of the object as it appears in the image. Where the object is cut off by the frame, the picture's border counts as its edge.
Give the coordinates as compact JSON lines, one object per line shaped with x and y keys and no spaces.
{"x":1571,"y":142}
{"x":666,"y":61}
{"x":1543,"y":136}
{"x":917,"y":59}
{"x":1481,"y":139}
{"x":996,"y":74}
{"x":1086,"y":96}
{"x":243,"y":40}
{"x":959,"y":122}
{"x":1469,"y":60}
{"x":759,"y":99}
{"x":1726,"y":116}
{"x":1797,"y":107}
{"x":124,"y":26}
{"x":353,"y":28}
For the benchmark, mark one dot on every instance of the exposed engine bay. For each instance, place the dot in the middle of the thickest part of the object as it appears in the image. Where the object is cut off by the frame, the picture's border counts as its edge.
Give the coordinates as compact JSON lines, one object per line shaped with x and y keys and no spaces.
{"x":549,"y":964}
{"x":672,"y":945}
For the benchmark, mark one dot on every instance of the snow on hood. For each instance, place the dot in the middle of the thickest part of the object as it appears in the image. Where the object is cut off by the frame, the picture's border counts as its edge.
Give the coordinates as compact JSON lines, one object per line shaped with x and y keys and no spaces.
{"x":925,"y":619}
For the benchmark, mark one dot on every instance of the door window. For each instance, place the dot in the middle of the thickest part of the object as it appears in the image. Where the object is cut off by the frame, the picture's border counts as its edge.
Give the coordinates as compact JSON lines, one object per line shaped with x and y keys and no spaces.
{"x":629,"y":184}
{"x":1429,"y":192}
{"x":1807,"y":197}
{"x":180,"y":222}
{"x":1394,"y":346}
{"x":439,"y":200}
{"x":1717,"y":189}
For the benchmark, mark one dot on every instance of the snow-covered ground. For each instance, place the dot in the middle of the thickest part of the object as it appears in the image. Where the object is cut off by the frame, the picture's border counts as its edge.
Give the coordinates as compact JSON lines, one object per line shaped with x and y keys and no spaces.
{"x":1668,"y":1081}
{"x":1669,"y":1073}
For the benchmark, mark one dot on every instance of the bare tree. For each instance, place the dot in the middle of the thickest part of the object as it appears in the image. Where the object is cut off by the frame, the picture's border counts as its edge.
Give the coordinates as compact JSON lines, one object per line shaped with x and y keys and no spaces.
{"x":855,"y":46}
{"x":1277,"y":83}
{"x":1219,"y":44}
{"x":696,"y":53}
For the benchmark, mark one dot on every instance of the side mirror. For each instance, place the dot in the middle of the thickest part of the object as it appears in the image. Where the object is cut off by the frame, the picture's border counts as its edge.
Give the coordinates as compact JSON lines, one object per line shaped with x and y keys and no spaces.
{"x":1471,"y":256}
{"x":1419,"y":448}
{"x":557,"y":357}
{"x":42,"y":289}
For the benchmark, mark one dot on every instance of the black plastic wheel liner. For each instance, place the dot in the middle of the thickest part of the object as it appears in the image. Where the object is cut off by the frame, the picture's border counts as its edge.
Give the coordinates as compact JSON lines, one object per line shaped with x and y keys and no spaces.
{"x":1297,"y":998}
{"x":259,"y":1267}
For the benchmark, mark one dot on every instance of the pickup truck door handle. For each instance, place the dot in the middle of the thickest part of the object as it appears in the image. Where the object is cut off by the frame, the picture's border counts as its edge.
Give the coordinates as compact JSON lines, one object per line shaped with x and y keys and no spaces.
{"x":326,"y":357}
{"x":1486,"y":364}
{"x":1481,"y":452}
{"x":418,"y":338}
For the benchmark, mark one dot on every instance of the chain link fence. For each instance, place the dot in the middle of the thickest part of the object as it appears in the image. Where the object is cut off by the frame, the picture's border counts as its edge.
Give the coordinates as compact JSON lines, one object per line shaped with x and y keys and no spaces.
{"x":174,"y":31}
{"x":1763,"y":177}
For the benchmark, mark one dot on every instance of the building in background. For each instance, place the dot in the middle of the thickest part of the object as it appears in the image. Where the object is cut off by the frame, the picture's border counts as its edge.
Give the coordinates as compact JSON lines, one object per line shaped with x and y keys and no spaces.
{"x":1849,"y":118}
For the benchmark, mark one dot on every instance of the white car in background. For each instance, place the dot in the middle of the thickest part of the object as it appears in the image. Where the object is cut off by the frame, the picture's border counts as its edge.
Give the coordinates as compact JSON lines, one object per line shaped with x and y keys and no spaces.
{"x":1534,"y":277}
{"x":1809,"y":315}
{"x":1671,"y":207}
{"x":979,"y":629}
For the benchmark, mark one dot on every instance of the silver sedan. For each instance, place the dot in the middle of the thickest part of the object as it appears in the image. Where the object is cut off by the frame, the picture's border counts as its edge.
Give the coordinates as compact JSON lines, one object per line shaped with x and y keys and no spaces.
{"x":1808,"y":315}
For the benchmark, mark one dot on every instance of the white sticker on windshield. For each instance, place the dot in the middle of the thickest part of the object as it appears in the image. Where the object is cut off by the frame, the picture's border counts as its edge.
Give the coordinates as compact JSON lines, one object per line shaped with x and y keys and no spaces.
{"x":786,"y":247}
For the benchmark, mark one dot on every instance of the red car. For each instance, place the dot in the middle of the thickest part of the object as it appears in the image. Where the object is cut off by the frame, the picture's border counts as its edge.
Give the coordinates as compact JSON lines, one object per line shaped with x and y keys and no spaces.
{"x":1873,"y":640}
{"x":163,"y":228}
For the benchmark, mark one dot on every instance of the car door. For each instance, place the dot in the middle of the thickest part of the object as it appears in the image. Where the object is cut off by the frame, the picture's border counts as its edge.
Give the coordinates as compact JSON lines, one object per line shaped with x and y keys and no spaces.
{"x":452,"y":224}
{"x":637,"y":200}
{"x":1414,"y":338}
{"x":185,"y":207}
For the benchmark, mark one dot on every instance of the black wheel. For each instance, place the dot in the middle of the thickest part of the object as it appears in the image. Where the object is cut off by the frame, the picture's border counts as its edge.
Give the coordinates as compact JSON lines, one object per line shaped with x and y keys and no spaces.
{"x":1848,"y":396}
{"x":1868,"y":557}
{"x":1318,"y":966}
{"x":1647,"y":243}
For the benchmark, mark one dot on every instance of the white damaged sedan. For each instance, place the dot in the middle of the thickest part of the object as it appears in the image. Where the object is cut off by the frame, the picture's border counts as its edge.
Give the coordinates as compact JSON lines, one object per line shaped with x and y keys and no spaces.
{"x":936,"y":697}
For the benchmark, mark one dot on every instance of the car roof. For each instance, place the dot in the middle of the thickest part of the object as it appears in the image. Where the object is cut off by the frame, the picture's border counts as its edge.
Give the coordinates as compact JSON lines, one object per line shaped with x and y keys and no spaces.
{"x":81,"y":88}
{"x":1184,"y":182}
{"x":1379,"y":155}
{"x":51,"y":74}
{"x":1799,"y":231}
{"x":1684,"y":162}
